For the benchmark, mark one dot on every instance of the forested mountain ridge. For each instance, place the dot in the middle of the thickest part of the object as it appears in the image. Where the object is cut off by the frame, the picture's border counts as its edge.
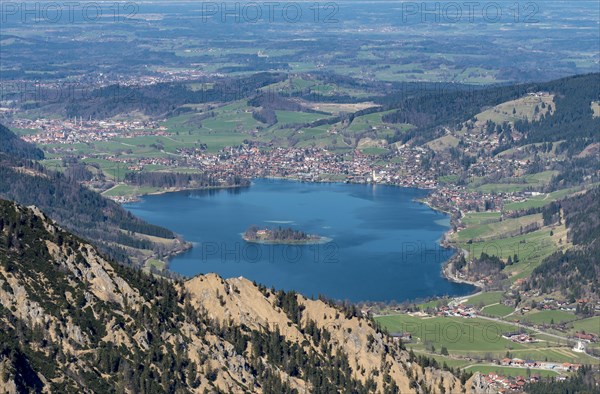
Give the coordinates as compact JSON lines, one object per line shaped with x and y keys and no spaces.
{"x":164,"y":98}
{"x":573,"y":118}
{"x":12,"y":145}
{"x":72,"y":320}
{"x":575,"y":273}
{"x":77,"y":208}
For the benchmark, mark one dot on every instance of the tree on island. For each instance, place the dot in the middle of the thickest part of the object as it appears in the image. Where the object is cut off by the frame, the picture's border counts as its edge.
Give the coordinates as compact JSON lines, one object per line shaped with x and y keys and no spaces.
{"x":252,"y":232}
{"x":278,"y":234}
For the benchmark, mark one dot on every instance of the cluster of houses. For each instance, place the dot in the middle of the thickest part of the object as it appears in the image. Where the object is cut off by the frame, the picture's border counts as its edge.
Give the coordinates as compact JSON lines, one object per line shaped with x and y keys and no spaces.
{"x":549,"y":303}
{"x":460,"y":198}
{"x":313,"y":164}
{"x":77,"y":130}
{"x":465,"y":200}
{"x":134,"y":164}
{"x":559,"y":367}
{"x":517,"y":362}
{"x":505,"y":384}
{"x":405,"y":337}
{"x":586,"y":336}
{"x":519,"y":337}
{"x":459,"y":310}
{"x":309,"y":164}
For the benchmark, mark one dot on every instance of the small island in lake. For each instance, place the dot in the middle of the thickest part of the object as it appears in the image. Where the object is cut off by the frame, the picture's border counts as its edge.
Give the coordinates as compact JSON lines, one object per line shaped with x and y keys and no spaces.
{"x":281,"y":235}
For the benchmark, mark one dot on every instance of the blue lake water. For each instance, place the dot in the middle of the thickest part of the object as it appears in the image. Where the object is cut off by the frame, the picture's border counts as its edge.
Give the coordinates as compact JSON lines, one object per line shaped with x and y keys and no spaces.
{"x":384,"y":245}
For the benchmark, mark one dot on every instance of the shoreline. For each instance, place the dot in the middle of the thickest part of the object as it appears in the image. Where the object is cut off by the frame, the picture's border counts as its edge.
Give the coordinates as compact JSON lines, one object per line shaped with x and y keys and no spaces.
{"x":183,"y":189}
{"x":457,"y":252}
{"x":455,"y":279}
{"x":129,"y":198}
{"x":136,"y":196}
{"x":183,"y":245}
{"x":445,"y":268}
{"x":318,"y":241}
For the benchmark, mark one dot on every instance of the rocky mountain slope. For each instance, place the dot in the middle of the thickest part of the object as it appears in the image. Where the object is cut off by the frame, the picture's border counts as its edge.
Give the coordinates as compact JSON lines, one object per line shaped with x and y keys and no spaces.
{"x":71,"y":320}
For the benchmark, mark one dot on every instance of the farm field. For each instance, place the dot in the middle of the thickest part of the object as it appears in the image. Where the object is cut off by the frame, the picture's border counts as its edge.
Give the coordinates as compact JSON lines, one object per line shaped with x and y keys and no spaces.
{"x":155,"y":264}
{"x":591,"y":324}
{"x":456,"y":334}
{"x":519,"y":109}
{"x":430,"y":304}
{"x":562,"y":354}
{"x":442,"y":143}
{"x":375,"y":151}
{"x":451,"y":362}
{"x":526,"y":182}
{"x":530,"y":248}
{"x":498,"y":229}
{"x":290,"y":117}
{"x":486,"y":298}
{"x":126,"y":190}
{"x":498,"y":310}
{"x":477,"y":338}
{"x":478,"y":218}
{"x":510,"y":371}
{"x":540,"y":201}
{"x":547,"y":317}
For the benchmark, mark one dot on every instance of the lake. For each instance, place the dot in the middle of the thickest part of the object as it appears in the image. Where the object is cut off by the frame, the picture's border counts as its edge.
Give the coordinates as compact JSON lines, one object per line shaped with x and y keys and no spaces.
{"x":384,"y":245}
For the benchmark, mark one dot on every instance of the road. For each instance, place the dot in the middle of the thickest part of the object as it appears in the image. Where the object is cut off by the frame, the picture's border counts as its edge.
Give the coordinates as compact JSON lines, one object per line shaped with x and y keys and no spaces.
{"x":532,"y":329}
{"x":537,"y":330}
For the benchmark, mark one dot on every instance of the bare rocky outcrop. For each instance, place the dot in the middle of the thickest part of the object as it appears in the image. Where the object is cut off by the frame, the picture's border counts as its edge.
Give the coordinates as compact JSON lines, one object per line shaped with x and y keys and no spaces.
{"x":239,"y":301}
{"x":70,"y":317}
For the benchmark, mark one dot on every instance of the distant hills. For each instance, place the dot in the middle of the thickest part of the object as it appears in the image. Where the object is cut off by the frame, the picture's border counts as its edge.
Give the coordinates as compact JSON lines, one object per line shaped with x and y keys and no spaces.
{"x":75,"y":207}
{"x":74,"y":316}
{"x":573,"y":120}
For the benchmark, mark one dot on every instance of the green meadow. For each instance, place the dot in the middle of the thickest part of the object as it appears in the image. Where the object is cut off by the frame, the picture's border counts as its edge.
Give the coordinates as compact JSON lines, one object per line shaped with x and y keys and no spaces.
{"x":511,"y":371}
{"x":477,"y":218}
{"x":126,"y":190}
{"x":458,"y":335}
{"x":506,"y":239}
{"x":591,"y":324}
{"x":290,"y":117}
{"x":486,"y":298}
{"x":498,"y":310}
{"x":517,"y":184}
{"x":476,"y":338}
{"x":549,"y":316}
{"x":497,"y":229}
{"x":540,"y":201}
